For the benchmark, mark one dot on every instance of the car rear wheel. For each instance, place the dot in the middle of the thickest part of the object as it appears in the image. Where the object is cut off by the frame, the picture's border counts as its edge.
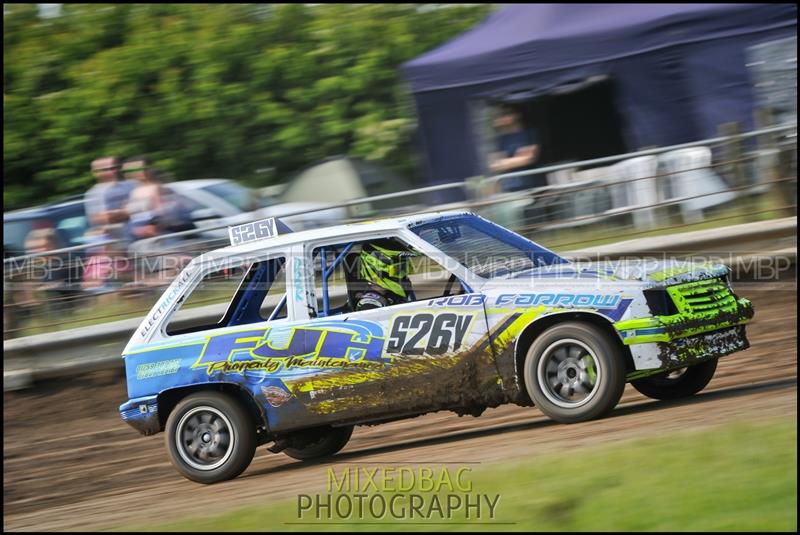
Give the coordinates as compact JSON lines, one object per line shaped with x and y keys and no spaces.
{"x":676,"y":384}
{"x":319,"y":442}
{"x":210,"y":437}
{"x":574,"y":372}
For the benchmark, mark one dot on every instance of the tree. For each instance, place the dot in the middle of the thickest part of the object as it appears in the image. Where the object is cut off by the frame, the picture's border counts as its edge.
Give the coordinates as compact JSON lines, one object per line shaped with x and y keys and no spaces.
{"x":210,"y":90}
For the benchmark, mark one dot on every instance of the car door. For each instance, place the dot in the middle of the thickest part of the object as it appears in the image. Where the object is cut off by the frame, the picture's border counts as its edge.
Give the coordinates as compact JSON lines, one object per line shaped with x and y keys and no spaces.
{"x":428,"y":354}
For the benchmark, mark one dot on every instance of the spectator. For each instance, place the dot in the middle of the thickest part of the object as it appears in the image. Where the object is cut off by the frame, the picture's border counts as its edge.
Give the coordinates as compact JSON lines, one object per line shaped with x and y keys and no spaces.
{"x":105,"y":201}
{"x":104,"y":267}
{"x":11,"y":309}
{"x":518,"y":149}
{"x":152,"y":209}
{"x":48,"y":273}
{"x":45,"y":239}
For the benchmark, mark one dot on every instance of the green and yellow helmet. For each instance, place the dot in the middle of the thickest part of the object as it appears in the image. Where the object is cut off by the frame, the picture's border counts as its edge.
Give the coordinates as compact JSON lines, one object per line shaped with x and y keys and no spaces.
{"x":385,"y":266}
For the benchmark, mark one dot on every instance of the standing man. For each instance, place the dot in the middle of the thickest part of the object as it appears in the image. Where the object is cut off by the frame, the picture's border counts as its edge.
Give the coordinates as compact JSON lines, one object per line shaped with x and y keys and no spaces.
{"x":105,"y":201}
{"x":517,"y":148}
{"x":105,"y":208}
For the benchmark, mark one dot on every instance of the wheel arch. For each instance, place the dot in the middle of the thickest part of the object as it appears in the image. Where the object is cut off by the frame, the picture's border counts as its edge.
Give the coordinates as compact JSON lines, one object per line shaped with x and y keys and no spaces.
{"x":168,"y":399}
{"x":539,"y":325}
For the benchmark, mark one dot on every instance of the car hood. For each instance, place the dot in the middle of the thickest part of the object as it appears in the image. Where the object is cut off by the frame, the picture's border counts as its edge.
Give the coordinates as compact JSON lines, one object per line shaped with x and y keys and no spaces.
{"x":649,"y":273}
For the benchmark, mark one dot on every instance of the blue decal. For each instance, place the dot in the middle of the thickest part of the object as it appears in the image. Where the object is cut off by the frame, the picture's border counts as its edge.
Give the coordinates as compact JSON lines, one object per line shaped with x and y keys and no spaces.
{"x":283,"y":342}
{"x":616,"y":314}
{"x":464,"y":300}
{"x":551,"y":299}
{"x":295,"y":350}
{"x":298,"y":277}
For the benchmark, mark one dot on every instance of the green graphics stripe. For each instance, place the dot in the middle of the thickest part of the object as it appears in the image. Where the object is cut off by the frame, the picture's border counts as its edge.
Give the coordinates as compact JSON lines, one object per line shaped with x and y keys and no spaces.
{"x":705,"y":297}
{"x":513,"y":325}
{"x":502,"y":327}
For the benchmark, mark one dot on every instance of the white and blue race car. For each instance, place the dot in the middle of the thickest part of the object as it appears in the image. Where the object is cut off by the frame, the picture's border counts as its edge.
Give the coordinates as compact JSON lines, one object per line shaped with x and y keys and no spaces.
{"x":457,"y":313}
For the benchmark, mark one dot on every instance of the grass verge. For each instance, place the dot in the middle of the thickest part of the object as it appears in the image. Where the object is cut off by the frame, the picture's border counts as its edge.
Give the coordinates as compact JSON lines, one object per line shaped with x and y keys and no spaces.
{"x":736,"y":477}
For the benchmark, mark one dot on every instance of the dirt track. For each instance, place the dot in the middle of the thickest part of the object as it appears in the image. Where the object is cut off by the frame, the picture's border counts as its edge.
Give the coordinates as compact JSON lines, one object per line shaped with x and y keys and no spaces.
{"x":70,"y":463}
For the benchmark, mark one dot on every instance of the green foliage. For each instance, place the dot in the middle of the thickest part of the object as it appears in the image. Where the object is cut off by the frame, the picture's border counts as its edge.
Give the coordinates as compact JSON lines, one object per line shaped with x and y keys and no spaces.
{"x":209,"y":90}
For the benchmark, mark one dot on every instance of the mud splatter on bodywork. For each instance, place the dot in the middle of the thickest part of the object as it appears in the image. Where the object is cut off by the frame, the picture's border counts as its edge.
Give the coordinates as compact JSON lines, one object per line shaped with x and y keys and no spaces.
{"x":465,"y":382}
{"x":699,"y":306}
{"x":687,"y":351}
{"x":695,"y":349}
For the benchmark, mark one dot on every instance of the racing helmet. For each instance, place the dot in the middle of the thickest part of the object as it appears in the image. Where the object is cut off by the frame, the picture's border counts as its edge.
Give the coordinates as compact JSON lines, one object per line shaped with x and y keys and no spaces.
{"x":385,"y":266}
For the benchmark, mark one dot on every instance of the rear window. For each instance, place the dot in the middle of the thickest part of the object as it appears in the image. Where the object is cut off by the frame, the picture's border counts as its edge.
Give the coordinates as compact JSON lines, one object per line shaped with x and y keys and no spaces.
{"x":14,"y":235}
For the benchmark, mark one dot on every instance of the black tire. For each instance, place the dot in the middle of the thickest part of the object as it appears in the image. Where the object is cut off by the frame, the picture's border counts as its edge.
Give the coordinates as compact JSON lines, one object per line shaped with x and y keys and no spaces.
{"x":667,"y":386}
{"x":557,"y":372}
{"x":215,"y":426}
{"x":321,"y":442}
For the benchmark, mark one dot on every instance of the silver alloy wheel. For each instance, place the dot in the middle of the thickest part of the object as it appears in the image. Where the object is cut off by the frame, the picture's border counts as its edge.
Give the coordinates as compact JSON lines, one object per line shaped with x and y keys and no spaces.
{"x":568,"y":373}
{"x":668,"y":378}
{"x":205,"y":438}
{"x":675,"y":374}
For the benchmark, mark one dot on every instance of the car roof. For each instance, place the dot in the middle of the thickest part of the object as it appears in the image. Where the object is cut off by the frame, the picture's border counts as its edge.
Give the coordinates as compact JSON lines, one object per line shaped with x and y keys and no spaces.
{"x":24,"y":213}
{"x":361,"y":227}
{"x":40,"y":211}
{"x":196,"y":183}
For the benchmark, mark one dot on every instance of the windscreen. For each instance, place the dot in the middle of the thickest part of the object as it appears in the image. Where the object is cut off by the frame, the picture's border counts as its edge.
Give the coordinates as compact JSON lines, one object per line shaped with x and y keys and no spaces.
{"x":486,"y":249}
{"x":240,"y":197}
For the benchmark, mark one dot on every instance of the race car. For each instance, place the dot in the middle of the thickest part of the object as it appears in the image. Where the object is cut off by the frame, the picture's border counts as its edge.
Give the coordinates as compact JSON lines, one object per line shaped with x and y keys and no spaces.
{"x":365,"y":323}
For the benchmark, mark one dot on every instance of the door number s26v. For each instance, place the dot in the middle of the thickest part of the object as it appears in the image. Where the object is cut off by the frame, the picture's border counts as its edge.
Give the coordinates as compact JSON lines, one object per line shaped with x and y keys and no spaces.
{"x":428,"y":333}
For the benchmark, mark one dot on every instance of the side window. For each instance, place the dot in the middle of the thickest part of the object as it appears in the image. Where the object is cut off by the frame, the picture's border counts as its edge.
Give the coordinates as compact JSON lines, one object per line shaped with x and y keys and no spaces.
{"x":431,"y":280}
{"x":253,"y":294}
{"x":274,"y":306}
{"x":332,"y":290}
{"x":376,"y":273}
{"x":204,"y":308}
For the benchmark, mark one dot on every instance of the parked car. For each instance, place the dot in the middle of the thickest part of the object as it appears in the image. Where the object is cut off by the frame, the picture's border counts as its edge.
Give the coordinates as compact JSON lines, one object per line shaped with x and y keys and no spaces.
{"x":68,"y":218}
{"x":216,"y":198}
{"x":220,"y":201}
{"x":52,"y":226}
{"x":488,"y":318}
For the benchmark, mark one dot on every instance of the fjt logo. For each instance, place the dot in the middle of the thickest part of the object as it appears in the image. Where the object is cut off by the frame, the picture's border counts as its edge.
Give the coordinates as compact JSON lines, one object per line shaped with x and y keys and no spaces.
{"x":296,"y":342}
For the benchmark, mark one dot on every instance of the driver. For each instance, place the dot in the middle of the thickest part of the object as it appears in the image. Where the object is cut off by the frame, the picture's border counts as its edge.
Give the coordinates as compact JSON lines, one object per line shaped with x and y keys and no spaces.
{"x":384,"y":266}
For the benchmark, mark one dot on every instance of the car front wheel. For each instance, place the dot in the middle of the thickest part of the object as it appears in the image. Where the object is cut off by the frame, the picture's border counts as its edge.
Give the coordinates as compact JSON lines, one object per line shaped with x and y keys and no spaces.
{"x":574,"y":372}
{"x":210,"y":437}
{"x":677,"y":384}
